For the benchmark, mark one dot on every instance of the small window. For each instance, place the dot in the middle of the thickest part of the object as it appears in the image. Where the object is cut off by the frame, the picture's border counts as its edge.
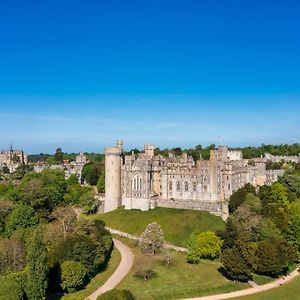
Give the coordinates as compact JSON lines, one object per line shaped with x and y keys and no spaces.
{"x":186,"y":186}
{"x":229,"y":186}
{"x":194,"y":186}
{"x":178,"y":188}
{"x":170,"y":186}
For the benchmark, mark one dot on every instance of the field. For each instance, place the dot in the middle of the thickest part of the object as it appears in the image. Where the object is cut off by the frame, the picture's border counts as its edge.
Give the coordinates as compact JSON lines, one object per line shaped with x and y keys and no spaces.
{"x":180,"y":280}
{"x":177,"y":224}
{"x":288,"y":291}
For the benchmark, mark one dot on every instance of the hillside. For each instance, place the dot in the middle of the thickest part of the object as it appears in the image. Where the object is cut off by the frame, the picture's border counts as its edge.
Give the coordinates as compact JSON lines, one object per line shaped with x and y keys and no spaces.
{"x":177,"y":224}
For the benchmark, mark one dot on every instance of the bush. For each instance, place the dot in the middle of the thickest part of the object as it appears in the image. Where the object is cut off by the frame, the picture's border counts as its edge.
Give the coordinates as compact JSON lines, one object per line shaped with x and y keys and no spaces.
{"x":73,"y":274}
{"x":10,"y":289}
{"x":116,"y":295}
{"x":143,"y":267}
{"x":204,"y":245}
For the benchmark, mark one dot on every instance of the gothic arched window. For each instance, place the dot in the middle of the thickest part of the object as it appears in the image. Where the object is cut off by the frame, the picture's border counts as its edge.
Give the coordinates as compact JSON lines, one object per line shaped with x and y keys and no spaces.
{"x":137,"y":182}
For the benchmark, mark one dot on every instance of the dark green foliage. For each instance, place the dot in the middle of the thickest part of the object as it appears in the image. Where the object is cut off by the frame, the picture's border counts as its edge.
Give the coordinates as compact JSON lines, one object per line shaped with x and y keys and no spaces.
{"x":90,"y":246}
{"x":238,"y":197}
{"x":37,"y":269}
{"x":268,"y":262}
{"x":92,"y":171}
{"x":293,"y":232}
{"x":58,"y":156}
{"x":292,"y":182}
{"x":116,"y":295}
{"x":235,"y":266}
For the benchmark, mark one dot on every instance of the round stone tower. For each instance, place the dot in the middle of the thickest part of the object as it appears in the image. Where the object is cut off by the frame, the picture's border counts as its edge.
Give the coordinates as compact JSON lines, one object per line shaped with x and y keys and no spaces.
{"x":113,"y":164}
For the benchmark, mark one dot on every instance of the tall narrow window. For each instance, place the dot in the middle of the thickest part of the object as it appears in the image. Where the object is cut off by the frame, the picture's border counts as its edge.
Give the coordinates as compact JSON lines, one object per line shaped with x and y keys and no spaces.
{"x":178,"y":188}
{"x":186,"y":186}
{"x":194,"y":186}
{"x":170,"y":186}
{"x":137,"y":182}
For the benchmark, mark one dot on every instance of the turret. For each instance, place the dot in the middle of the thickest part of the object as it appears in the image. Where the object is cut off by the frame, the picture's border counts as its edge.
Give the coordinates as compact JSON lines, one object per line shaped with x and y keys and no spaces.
{"x":113,"y":164}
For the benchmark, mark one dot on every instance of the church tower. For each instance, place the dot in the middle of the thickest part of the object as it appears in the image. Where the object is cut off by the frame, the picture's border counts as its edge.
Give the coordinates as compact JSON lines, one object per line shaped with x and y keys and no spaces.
{"x":113,"y":165}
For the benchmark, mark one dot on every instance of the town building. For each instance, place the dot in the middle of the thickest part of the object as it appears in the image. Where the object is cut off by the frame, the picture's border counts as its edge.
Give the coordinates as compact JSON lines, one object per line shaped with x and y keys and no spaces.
{"x":12,"y":159}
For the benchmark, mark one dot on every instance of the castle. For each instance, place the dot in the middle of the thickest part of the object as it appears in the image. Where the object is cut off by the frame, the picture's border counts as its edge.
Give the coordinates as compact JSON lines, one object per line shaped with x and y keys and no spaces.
{"x":12,"y":159}
{"x":146,"y":180}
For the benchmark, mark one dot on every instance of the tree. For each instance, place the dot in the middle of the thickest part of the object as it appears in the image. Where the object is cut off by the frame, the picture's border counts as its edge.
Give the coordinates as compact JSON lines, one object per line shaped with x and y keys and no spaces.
{"x":66,"y":217}
{"x":59,"y":156}
{"x":152,"y":238}
{"x":116,"y":295}
{"x":268,"y":230}
{"x":36,"y":267}
{"x":239,"y":196}
{"x":235,"y":266}
{"x":73,"y":274}
{"x":253,"y":202}
{"x":12,"y":256}
{"x":279,"y":194}
{"x":293,"y":233}
{"x":143,"y":267}
{"x":23,"y":216}
{"x":204,"y":245}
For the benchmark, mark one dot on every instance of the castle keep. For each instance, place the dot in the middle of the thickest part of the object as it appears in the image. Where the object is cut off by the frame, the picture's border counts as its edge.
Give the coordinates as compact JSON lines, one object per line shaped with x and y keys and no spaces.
{"x":145,"y":181}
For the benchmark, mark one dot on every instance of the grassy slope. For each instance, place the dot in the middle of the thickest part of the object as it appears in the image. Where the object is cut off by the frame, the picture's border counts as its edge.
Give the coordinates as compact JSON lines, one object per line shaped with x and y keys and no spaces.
{"x":177,"y":224}
{"x":182,"y":280}
{"x":98,"y":280}
{"x":288,"y":291}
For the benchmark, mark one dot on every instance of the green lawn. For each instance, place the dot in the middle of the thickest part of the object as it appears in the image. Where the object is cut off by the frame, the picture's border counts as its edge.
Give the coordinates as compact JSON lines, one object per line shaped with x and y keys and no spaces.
{"x":98,"y":280}
{"x":177,"y":224}
{"x":288,"y":291}
{"x":179,"y":281}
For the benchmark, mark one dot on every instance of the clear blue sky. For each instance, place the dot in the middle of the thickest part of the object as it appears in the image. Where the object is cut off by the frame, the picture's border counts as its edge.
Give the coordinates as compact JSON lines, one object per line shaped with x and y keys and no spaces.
{"x":80,"y":74}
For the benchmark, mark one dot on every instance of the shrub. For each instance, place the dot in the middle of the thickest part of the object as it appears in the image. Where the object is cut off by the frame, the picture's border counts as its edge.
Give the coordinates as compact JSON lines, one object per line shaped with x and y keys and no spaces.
{"x":73,"y":274}
{"x":204,"y":245}
{"x":116,"y":295}
{"x":10,"y":289}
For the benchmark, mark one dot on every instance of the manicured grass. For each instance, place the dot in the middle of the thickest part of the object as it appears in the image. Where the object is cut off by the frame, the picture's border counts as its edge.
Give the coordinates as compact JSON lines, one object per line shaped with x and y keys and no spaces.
{"x":98,"y":280}
{"x":260,"y":279}
{"x":181,"y":280}
{"x":177,"y":224}
{"x":288,"y":291}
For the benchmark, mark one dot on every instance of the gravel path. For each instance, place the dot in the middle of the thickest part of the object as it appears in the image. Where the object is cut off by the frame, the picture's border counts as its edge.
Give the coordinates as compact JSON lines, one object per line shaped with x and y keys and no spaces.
{"x":257,"y":289}
{"x":122,"y":270}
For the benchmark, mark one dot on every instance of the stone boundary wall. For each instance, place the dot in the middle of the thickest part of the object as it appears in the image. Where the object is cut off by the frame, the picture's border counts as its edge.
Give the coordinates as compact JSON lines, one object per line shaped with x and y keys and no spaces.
{"x":219,"y":209}
{"x":136,"y":238}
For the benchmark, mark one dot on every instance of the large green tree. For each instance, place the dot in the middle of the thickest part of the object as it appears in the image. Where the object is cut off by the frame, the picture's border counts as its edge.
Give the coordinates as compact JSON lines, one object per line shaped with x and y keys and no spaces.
{"x":37,"y":269}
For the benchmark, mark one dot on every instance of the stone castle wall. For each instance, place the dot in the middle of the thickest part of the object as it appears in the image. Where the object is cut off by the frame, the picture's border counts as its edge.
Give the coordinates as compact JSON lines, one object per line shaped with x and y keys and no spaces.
{"x":219,"y":209}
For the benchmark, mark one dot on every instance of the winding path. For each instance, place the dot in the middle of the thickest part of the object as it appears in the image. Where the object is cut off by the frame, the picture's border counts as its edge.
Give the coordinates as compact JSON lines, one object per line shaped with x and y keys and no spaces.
{"x":122,"y":270}
{"x":126,"y":263}
{"x":251,"y":291}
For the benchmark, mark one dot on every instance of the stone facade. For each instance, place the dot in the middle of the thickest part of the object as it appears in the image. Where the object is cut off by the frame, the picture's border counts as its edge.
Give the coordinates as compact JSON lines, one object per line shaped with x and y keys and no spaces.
{"x":12,"y":159}
{"x":72,"y":168}
{"x":146,"y":180}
